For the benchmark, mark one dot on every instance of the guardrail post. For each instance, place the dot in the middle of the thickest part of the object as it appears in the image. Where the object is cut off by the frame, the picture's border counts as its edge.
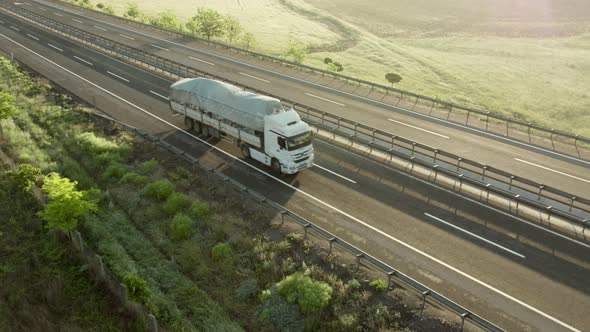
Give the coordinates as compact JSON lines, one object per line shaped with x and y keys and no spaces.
{"x":305,"y":228}
{"x":323,"y":115}
{"x":432,"y":107}
{"x":460,"y":182}
{"x":463,"y":317}
{"x":585,"y":222}
{"x":283,"y":213}
{"x":507,"y":127}
{"x":390,"y":275}
{"x":467,"y":120}
{"x":435,"y":167}
{"x":424,"y":296}
{"x":435,"y":153}
{"x":358,"y":261}
{"x":332,"y":240}
{"x":459,"y":162}
{"x":488,"y":192}
{"x":413,"y":147}
{"x":483,"y":174}
{"x":412,"y":161}
{"x":549,"y":208}
{"x":487,"y":120}
{"x":551,"y":138}
{"x":511,"y":179}
{"x":415,"y":103}
{"x":516,"y":197}
{"x":450,"y":110}
{"x":572,"y":202}
{"x":529,"y":132}
{"x":541,"y":187}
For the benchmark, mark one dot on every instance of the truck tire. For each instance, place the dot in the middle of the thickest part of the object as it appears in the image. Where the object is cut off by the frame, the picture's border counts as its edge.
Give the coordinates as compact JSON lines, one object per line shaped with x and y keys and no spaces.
{"x":205,"y":130}
{"x":276,"y":166}
{"x":197,"y":127}
{"x":188,"y":123}
{"x":245,"y":150}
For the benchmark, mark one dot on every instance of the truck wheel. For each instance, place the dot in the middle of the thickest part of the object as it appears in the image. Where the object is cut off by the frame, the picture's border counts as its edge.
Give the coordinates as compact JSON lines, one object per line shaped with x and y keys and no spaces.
{"x":205,"y":130}
{"x":245,"y":150}
{"x":197,"y":127}
{"x":276,"y":166}
{"x":188,"y":123}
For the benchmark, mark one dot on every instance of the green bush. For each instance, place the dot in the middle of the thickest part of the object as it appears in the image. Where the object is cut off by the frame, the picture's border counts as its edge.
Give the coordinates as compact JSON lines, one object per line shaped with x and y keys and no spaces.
{"x":137,"y":289}
{"x":134,"y":179}
{"x":312,"y":296}
{"x":283,"y":315}
{"x":181,"y":227}
{"x":114,"y":171}
{"x":25,"y":176}
{"x":107,"y":158}
{"x":200,"y":210}
{"x":175,"y":203}
{"x":247,"y":289}
{"x":379,"y":285}
{"x":149,"y":166}
{"x":221,"y":251}
{"x":159,"y":190}
{"x":95,"y":145}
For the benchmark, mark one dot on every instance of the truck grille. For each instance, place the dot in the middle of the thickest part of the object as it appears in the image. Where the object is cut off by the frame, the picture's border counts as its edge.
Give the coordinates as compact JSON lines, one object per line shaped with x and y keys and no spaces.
{"x":297,"y":161}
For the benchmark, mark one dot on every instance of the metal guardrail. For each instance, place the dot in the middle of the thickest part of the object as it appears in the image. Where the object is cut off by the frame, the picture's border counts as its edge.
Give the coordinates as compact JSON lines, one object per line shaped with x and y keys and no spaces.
{"x":386,"y":142}
{"x":429,"y":102}
{"x":310,"y":228}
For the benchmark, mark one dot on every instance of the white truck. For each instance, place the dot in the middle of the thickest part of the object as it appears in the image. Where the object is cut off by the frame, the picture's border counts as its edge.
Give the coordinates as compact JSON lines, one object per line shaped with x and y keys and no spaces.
{"x":263,"y":129}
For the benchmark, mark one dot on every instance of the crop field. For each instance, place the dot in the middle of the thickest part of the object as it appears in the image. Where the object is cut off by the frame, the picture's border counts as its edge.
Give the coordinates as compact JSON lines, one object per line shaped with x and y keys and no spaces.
{"x":528,"y":59}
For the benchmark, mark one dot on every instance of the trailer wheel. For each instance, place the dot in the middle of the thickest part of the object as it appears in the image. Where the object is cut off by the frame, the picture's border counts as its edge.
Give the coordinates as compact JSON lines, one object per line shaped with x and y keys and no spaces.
{"x":197,"y":127}
{"x":188,"y":123}
{"x":276,"y":166}
{"x":245,"y":150}
{"x":205,"y":130}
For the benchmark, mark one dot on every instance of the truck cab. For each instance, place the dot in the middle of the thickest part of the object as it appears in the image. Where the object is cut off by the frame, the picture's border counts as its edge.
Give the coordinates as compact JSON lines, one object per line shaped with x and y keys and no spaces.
{"x":287,"y":141}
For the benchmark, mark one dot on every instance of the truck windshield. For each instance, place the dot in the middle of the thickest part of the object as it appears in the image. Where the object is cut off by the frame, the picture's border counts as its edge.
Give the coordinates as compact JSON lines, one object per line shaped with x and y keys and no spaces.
{"x":299,"y":141}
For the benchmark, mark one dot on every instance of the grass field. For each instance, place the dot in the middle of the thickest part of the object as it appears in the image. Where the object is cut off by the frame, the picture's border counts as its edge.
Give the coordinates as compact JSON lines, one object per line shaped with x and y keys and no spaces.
{"x":528,"y":59}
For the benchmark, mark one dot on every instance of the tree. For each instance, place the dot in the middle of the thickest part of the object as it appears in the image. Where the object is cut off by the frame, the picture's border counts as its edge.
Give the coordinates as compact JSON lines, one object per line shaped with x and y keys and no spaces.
{"x":233,"y":28}
{"x":393,"y":78}
{"x":166,"y":20}
{"x":7,"y":107}
{"x":248,"y":40}
{"x":132,"y":11}
{"x":297,"y":51}
{"x":207,"y":22}
{"x":137,"y":289}
{"x":66,"y":204}
{"x":25,"y":176}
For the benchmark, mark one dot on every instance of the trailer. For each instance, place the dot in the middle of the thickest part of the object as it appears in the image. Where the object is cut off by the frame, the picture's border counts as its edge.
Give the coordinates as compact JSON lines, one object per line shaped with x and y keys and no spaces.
{"x":260,"y":125}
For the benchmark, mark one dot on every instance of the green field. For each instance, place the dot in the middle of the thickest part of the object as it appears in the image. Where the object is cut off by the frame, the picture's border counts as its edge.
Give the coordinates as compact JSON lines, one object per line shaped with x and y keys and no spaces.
{"x":529,"y":60}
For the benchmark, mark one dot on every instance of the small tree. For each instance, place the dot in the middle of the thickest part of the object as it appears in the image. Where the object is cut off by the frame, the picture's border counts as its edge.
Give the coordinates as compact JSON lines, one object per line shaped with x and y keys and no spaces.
{"x":207,"y":22}
{"x":132,"y":11}
{"x":167,"y":20}
{"x":137,"y":289}
{"x":297,"y":51}
{"x":393,"y":78}
{"x":25,"y":176}
{"x":233,"y":28}
{"x":66,"y":204}
{"x":7,"y":107}
{"x":248,"y":40}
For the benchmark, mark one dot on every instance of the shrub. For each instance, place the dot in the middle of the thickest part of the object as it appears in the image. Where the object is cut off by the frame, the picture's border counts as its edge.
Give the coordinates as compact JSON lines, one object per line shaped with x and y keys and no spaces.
{"x":283,"y":315}
{"x":353,"y":284}
{"x":149,"y":166}
{"x":312,"y":296}
{"x":264,"y":295}
{"x":175,"y":203}
{"x":378,"y":285}
{"x":25,"y":177}
{"x":181,"y":227}
{"x":221,"y":251}
{"x":134,"y":179}
{"x":114,"y":171}
{"x":94,"y":145}
{"x":200,"y":210}
{"x":159,"y":190}
{"x":247,"y":289}
{"x":137,"y":289}
{"x":107,"y":158}
{"x":180,"y":174}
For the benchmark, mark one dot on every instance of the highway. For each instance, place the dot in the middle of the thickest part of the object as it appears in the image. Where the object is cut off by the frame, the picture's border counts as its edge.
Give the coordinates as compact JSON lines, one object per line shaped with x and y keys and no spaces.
{"x":520,"y":277}
{"x":544,"y":167}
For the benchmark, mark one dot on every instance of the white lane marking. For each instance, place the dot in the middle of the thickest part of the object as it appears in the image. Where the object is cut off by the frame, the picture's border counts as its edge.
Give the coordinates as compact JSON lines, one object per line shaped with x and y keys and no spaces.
{"x":88,"y":62}
{"x":125,"y":36}
{"x":324,"y":99}
{"x":41,"y":8}
{"x":338,"y":175}
{"x":32,"y":36}
{"x":159,"y":95}
{"x":156,"y":46}
{"x":254,"y":77}
{"x":117,"y":76}
{"x":552,"y":170}
{"x":57,"y":14}
{"x":306,"y":194}
{"x":14,"y":28}
{"x":55,"y":47}
{"x":428,"y":131}
{"x":474,"y":235}
{"x":466,"y":198}
{"x":99,"y":28}
{"x":203,"y":61}
{"x":76,"y":20}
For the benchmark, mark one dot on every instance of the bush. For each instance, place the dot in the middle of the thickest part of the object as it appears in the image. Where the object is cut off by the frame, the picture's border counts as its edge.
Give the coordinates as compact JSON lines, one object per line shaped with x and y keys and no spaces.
{"x":379,"y":285}
{"x":283,"y":315}
{"x":221,"y":251}
{"x":247,"y":289}
{"x":114,"y":171}
{"x":107,"y":158}
{"x":200,"y":210}
{"x":134,"y":179}
{"x":175,"y":203}
{"x":149,"y":166}
{"x":95,"y":145}
{"x":312,"y":296}
{"x":137,"y":289}
{"x":159,"y":190}
{"x":181,"y":227}
{"x":25,"y":176}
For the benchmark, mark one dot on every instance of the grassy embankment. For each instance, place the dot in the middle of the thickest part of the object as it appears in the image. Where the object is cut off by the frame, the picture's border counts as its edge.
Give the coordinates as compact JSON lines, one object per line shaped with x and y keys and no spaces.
{"x":206,"y":258}
{"x":530,"y":60}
